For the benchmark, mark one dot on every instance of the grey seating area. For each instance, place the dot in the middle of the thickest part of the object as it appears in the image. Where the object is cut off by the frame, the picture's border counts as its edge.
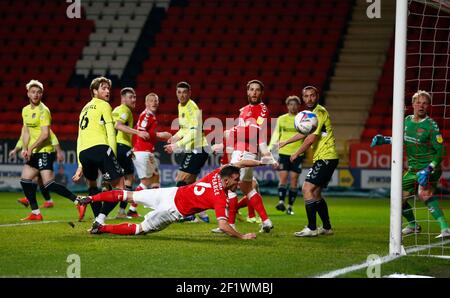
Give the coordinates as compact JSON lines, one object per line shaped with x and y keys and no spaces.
{"x":118,"y":25}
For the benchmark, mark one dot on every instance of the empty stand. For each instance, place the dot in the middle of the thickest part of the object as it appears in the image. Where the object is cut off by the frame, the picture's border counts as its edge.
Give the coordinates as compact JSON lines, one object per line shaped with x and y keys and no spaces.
{"x":215,"y":45}
{"x":218,"y":46}
{"x":40,"y":44}
{"x":118,"y":25}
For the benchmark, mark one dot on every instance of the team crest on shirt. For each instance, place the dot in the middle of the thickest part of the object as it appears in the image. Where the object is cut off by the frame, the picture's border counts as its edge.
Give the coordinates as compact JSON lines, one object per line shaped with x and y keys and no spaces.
{"x":439,"y":139}
{"x":260,"y":120}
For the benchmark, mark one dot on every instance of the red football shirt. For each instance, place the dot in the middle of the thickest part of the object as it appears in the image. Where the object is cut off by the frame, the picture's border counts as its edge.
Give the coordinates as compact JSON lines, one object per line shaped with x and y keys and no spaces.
{"x":147,"y":122}
{"x":252,"y":128}
{"x":207,"y":193}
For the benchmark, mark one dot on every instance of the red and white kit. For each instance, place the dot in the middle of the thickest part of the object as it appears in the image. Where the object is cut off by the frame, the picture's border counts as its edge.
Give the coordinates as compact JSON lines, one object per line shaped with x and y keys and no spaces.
{"x":248,"y":135}
{"x":174,"y":203}
{"x":145,"y":162}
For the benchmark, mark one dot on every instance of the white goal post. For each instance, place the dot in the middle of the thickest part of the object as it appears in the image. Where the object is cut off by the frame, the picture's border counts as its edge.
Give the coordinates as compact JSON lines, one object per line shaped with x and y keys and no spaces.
{"x":421,"y":61}
{"x":395,"y":235}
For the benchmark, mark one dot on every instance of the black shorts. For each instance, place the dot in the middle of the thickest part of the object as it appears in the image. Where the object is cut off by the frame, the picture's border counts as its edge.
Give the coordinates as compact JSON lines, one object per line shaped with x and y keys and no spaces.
{"x":100,"y":157}
{"x":287,"y":165}
{"x":321,"y":172}
{"x":42,"y":161}
{"x":192,"y":163}
{"x":124,"y":157}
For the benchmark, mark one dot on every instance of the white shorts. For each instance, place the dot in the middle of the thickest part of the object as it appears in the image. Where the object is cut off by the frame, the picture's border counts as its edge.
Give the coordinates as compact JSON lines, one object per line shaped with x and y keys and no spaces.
{"x":162,"y":200}
{"x":146,"y":164}
{"x":246,"y":173}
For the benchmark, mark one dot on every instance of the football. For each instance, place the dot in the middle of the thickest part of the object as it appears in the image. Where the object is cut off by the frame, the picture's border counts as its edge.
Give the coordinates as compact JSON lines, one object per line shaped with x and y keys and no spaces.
{"x":305,"y":122}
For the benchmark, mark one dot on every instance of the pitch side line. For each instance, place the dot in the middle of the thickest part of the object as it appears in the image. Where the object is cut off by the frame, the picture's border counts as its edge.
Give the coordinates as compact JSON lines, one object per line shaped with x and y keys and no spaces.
{"x":32,"y":223}
{"x":383,"y":260}
{"x":38,"y":276}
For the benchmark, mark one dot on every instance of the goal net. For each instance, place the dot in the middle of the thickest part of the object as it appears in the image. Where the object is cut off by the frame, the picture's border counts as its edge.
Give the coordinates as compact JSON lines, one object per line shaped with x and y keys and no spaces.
{"x":427,"y":68}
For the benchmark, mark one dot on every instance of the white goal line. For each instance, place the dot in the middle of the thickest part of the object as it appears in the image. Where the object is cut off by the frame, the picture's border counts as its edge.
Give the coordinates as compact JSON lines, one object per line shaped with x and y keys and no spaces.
{"x":383,"y":260}
{"x":32,"y":223}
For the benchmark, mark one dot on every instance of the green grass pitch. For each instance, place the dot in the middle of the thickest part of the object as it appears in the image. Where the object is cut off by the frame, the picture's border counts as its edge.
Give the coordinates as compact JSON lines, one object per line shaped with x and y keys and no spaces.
{"x":191,"y":250}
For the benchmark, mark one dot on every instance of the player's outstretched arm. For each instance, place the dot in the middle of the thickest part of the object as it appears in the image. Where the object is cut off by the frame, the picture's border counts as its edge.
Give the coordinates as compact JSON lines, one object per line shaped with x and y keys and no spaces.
{"x":226,"y":228}
{"x":380,"y":140}
{"x":309,"y":140}
{"x":247,"y":163}
{"x":163,"y":135}
{"x":124,"y":128}
{"x":292,"y":139}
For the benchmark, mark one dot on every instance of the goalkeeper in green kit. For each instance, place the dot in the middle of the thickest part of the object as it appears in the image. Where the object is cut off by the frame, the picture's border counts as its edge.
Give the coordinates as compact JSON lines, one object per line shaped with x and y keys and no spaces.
{"x":424,"y":150}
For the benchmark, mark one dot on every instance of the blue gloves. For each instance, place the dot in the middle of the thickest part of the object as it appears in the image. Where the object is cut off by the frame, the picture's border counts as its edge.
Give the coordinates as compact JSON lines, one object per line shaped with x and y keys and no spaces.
{"x":380,"y":140}
{"x":423,"y":175}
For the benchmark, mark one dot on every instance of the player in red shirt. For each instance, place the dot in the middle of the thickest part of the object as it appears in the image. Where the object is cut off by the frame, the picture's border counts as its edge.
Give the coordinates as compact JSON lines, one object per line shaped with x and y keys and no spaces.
{"x":175,"y":203}
{"x":250,"y":138}
{"x":145,"y":162}
{"x":234,"y":203}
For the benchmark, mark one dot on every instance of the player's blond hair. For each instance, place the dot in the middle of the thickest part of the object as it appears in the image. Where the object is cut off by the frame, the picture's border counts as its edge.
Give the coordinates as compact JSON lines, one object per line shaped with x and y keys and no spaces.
{"x":421,"y":93}
{"x":95,"y":84}
{"x":147,"y":98}
{"x":293,"y":98}
{"x":34,"y":83}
